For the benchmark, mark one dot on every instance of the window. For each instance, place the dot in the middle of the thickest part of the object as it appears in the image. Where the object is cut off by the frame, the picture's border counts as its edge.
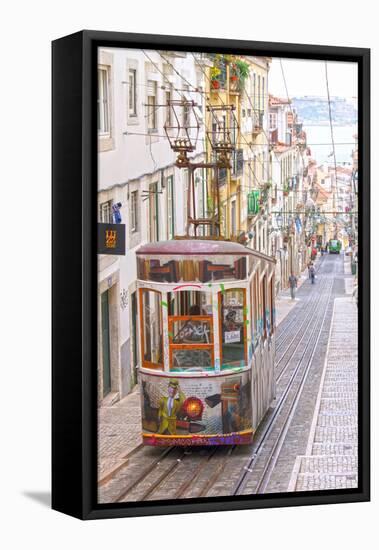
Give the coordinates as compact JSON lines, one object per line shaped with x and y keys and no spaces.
{"x":168,"y":95}
{"x":259,"y":92}
{"x":254,"y":290}
{"x":190,"y":332}
{"x":186,"y":111}
{"x":273,"y":121}
{"x":263,"y":304}
{"x":272,"y":306}
{"x":255,"y":90}
{"x":132,"y":92}
{"x":170,"y":208}
{"x":233,"y":327}
{"x":151,"y":329}
{"x":263,"y":93}
{"x":153,"y":212}
{"x":105,"y":212}
{"x":233,"y":219}
{"x":151,"y":105}
{"x":103,"y":125}
{"x":224,"y":220}
{"x":134,"y":211}
{"x":186,"y":176}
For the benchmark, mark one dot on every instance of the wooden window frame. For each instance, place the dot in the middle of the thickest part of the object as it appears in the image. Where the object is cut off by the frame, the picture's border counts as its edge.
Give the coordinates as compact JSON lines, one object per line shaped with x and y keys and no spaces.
{"x":220,"y":295}
{"x":194,"y":346}
{"x":149,"y":364}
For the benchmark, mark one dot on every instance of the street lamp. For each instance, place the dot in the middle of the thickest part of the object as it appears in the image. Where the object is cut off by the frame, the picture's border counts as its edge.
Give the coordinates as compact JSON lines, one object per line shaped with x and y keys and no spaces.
{"x":182,"y":129}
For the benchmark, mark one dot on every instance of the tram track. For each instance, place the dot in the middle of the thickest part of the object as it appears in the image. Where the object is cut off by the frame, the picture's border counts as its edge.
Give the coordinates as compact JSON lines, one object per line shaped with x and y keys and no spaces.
{"x":286,"y":325}
{"x":279,"y":439}
{"x":171,"y":475}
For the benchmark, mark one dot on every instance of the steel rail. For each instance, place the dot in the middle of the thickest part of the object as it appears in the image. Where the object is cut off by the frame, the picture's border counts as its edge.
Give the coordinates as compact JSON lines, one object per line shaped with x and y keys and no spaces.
{"x":268,"y":429}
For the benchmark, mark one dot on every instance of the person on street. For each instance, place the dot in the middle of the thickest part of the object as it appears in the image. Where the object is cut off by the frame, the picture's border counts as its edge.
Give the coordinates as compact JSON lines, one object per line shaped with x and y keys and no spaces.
{"x":309,"y":269}
{"x":355,"y":291}
{"x":293,"y":284}
{"x":312,"y":273}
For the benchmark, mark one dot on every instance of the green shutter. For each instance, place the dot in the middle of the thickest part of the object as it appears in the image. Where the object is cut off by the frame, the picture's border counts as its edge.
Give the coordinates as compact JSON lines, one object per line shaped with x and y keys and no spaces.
{"x":253,"y":203}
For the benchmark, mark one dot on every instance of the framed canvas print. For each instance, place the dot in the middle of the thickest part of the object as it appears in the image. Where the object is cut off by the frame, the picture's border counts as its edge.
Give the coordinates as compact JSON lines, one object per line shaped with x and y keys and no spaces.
{"x":210,"y":241}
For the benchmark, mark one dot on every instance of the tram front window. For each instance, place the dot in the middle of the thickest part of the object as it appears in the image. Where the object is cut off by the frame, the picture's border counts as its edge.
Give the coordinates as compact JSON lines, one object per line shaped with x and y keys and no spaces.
{"x":233,"y":327}
{"x":190,"y":331}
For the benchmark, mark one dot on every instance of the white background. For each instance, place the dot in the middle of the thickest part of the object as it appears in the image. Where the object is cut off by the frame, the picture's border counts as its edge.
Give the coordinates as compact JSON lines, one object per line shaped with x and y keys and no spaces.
{"x":26,"y":31}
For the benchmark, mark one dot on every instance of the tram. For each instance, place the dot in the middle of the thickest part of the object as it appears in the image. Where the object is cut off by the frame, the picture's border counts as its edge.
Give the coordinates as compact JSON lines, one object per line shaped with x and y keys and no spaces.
{"x":334,"y":246}
{"x":206,"y":341}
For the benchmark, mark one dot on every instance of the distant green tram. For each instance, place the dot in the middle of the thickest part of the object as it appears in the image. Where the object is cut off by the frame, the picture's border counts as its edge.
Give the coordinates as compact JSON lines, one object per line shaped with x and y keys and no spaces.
{"x":334,"y":246}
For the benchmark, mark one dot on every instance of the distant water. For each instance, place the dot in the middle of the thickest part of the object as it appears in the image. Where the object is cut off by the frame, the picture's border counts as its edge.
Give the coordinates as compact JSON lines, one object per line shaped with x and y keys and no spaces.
{"x":320,"y":143}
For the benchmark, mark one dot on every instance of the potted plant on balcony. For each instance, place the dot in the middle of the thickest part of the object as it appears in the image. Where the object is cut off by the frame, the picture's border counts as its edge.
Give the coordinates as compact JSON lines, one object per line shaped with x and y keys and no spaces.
{"x":242,"y":70}
{"x":215,"y":73}
{"x":234,"y":76}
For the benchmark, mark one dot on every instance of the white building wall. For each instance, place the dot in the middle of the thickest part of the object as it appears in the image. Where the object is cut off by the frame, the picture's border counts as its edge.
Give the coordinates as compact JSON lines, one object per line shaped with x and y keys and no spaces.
{"x":134,"y":159}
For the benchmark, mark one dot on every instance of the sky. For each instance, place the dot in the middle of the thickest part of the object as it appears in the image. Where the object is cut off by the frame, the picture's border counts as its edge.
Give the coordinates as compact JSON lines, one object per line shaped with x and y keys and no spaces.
{"x":307,"y":77}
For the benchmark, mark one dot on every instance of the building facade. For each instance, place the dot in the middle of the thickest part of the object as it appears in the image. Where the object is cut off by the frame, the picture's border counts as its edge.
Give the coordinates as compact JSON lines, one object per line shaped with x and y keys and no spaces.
{"x":136,"y":170}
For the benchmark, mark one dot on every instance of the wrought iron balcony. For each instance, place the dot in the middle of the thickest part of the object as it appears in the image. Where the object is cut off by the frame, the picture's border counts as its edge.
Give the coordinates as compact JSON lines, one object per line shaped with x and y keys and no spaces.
{"x":235,"y":85}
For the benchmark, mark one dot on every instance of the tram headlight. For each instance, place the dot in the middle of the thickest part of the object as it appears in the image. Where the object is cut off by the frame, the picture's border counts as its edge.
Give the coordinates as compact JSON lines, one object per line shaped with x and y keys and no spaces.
{"x":193,"y":408}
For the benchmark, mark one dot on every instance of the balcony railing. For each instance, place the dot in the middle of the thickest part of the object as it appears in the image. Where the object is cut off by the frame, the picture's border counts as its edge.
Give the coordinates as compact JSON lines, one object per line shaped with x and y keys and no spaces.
{"x":235,"y":85}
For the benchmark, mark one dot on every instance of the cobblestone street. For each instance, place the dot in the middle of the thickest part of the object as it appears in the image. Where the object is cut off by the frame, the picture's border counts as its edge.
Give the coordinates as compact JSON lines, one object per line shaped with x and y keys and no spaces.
{"x":331,"y":458}
{"x":308,"y":438}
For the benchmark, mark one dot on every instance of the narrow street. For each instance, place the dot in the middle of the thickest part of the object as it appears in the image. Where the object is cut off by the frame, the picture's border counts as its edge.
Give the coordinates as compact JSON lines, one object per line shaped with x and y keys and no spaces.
{"x":308,"y":437}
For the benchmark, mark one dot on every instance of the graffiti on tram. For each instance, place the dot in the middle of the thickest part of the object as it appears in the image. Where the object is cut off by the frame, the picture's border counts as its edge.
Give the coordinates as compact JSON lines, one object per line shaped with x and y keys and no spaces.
{"x":204,"y":406}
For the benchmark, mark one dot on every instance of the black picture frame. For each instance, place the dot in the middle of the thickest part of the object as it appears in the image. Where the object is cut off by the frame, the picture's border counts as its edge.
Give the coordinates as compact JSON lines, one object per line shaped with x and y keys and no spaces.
{"x":74,"y":273}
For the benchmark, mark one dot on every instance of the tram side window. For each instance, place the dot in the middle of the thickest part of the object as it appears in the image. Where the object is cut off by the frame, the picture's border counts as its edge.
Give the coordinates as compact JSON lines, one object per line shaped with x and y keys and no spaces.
{"x":190,"y":330}
{"x":233,"y":327}
{"x":256,"y":306}
{"x":151,"y":330}
{"x":264,"y":307}
{"x":272,"y":306}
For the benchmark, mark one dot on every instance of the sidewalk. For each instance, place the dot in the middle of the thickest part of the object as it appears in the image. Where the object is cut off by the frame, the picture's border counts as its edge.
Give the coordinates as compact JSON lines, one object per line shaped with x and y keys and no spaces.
{"x":330,"y":460}
{"x":119,"y":433}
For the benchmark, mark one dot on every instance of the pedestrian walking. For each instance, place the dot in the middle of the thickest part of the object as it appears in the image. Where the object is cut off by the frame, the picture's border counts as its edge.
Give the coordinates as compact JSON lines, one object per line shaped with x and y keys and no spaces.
{"x":293,"y":284}
{"x":312,"y":273}
{"x":309,"y":269}
{"x":355,"y":292}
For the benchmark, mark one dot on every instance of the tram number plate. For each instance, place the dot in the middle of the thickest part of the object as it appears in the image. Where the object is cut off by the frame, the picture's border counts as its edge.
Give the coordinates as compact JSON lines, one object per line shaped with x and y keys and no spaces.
{"x":232,"y":337}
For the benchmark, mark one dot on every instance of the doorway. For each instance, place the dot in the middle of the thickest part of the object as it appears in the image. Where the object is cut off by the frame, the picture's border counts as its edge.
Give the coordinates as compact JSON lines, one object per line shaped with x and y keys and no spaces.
{"x":105,"y":338}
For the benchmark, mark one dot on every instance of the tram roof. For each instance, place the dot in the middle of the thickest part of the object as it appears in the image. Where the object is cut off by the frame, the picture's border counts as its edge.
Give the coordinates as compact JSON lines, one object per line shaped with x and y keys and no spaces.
{"x":198,"y":247}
